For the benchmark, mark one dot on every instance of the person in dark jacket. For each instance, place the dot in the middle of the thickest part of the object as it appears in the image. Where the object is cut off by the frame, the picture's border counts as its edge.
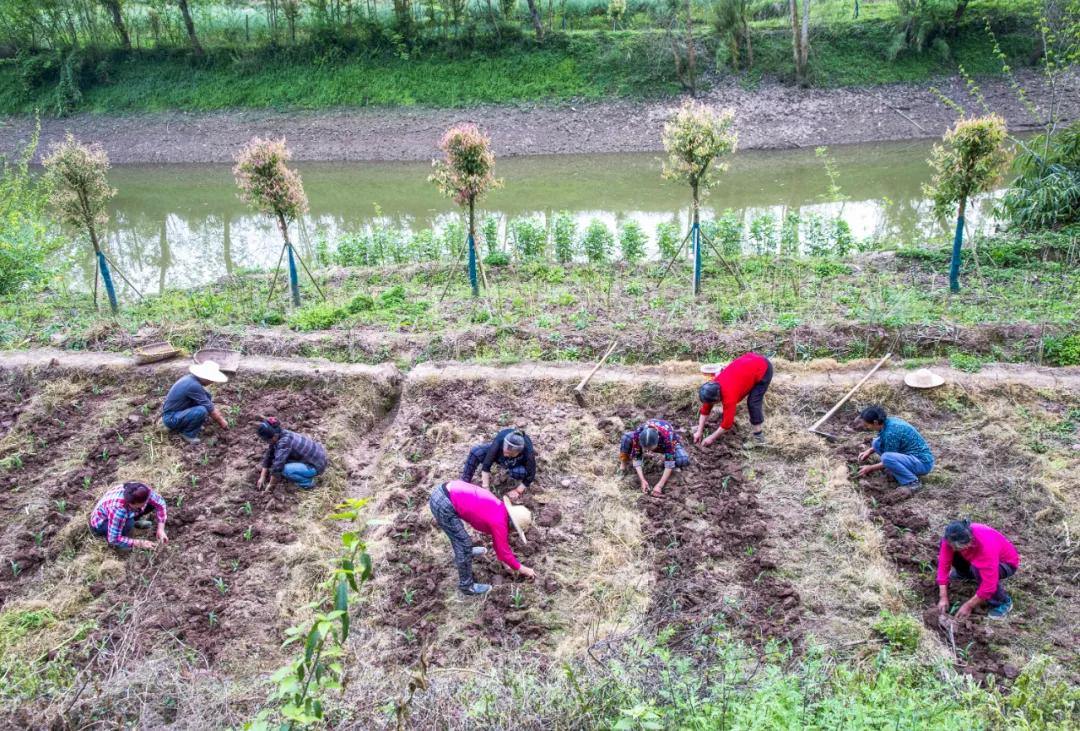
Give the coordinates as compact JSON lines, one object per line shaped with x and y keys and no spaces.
{"x":513,"y":451}
{"x":297,"y":458}
{"x":188,"y":403}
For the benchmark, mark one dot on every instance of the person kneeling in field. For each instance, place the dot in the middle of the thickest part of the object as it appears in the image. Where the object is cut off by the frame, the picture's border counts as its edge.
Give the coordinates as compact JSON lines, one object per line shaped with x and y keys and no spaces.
{"x":747,"y":377}
{"x":658,"y":436}
{"x":510,"y":448}
{"x":188,"y":403}
{"x":458,"y":502}
{"x":904,"y":453}
{"x":297,"y":458}
{"x":124,"y":508}
{"x":976,"y":552}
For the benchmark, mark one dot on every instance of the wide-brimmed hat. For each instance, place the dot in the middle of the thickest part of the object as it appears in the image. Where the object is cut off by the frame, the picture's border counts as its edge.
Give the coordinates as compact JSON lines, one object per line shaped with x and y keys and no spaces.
{"x":208,"y":371}
{"x":520,"y":517}
{"x":923,"y":378}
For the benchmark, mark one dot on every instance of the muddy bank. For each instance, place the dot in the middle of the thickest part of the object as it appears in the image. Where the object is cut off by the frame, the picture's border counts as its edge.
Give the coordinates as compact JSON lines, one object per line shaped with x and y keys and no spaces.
{"x":771,"y":116}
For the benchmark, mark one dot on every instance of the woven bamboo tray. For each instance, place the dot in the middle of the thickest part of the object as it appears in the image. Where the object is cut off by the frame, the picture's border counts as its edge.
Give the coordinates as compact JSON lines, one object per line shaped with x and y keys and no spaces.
{"x":155,"y":352}
{"x":227,"y":360}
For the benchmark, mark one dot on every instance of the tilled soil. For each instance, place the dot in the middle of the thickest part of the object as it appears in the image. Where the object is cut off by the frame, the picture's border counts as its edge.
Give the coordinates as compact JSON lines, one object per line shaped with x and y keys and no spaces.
{"x":769,"y":116}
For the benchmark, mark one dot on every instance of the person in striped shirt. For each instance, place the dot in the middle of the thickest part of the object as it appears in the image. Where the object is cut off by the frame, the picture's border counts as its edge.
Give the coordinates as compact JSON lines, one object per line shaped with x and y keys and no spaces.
{"x":297,"y":458}
{"x":658,"y":436}
{"x":126,"y":507}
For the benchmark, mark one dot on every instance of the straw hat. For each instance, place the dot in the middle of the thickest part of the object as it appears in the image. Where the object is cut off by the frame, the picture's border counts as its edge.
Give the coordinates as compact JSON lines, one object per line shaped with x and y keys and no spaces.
{"x":923,"y":378}
{"x":208,"y":371}
{"x":520,"y":516}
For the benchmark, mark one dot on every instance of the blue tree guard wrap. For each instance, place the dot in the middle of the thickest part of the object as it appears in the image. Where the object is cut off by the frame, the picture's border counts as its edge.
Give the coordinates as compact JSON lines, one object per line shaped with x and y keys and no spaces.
{"x":472,"y":267}
{"x":294,"y":279}
{"x":106,"y":276}
{"x":695,"y":242}
{"x":954,"y":268}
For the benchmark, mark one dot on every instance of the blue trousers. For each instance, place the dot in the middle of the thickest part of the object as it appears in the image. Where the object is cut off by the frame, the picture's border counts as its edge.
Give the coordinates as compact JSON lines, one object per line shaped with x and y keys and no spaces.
{"x":904,"y":468}
{"x":129,"y":525}
{"x":299,"y":473}
{"x":188,"y":422}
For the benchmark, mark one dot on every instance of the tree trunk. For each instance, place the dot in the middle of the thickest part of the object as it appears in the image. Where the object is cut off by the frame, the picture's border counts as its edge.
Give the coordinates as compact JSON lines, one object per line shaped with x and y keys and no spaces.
{"x":113,"y":6}
{"x":749,"y":46}
{"x":796,"y":37}
{"x":958,"y":242}
{"x":190,"y":25}
{"x":690,"y":61}
{"x":473,"y":282}
{"x":804,"y":43}
{"x":538,"y":25}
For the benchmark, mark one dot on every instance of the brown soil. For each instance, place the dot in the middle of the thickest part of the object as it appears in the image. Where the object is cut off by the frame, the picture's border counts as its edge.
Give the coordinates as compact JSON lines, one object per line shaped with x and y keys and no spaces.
{"x":769,"y":117}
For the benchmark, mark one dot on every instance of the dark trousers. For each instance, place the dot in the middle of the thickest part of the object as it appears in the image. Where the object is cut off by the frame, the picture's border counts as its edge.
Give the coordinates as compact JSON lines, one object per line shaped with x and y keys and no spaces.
{"x":756,"y":397}
{"x":129,"y":525}
{"x":188,"y":422}
{"x":514,"y":466}
{"x":966,"y":571}
{"x":626,"y":444}
{"x":447,"y":518}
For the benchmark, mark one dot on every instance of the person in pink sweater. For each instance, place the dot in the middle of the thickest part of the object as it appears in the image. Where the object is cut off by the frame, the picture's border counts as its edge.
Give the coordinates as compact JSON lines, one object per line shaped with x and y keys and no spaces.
{"x":976,"y":552}
{"x":457,"y":502}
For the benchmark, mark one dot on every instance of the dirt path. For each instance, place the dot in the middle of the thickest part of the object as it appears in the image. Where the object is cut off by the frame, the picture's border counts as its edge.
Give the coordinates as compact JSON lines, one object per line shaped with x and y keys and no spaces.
{"x":771,"y":116}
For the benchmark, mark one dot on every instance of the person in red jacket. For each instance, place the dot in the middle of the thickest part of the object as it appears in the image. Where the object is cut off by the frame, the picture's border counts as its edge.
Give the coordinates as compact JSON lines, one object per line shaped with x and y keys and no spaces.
{"x":458,"y":502}
{"x":747,"y":377}
{"x":976,"y":552}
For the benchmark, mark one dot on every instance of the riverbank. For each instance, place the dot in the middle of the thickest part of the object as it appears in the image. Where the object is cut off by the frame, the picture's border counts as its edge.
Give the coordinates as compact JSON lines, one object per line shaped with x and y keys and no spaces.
{"x":770,"y":116}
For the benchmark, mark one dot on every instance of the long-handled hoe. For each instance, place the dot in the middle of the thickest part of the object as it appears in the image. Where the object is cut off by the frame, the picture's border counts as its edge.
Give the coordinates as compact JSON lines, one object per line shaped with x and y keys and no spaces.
{"x":815,"y":429}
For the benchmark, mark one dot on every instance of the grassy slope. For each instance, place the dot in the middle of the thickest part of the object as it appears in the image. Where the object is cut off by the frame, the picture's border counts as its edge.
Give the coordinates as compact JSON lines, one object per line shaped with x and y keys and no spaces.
{"x":585,"y":64}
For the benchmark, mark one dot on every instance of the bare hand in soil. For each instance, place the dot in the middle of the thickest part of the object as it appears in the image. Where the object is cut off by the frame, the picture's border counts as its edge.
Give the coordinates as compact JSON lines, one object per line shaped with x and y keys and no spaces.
{"x":645,"y":486}
{"x":867,"y":470}
{"x":148,"y":545}
{"x":707,"y":441}
{"x":162,"y":536}
{"x":657,"y":492}
{"x":527,"y":572}
{"x":697,"y":436}
{"x":863,"y":456}
{"x":943,"y":607}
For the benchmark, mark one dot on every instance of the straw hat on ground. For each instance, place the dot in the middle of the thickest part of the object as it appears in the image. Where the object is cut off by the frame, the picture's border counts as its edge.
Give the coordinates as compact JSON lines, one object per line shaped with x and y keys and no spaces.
{"x":520,"y":517}
{"x":923,"y":378}
{"x":208,"y":371}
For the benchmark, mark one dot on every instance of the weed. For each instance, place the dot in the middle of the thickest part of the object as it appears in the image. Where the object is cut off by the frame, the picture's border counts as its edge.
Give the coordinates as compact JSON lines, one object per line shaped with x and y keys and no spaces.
{"x":965,"y":362}
{"x":900,"y":630}
{"x":12,"y":462}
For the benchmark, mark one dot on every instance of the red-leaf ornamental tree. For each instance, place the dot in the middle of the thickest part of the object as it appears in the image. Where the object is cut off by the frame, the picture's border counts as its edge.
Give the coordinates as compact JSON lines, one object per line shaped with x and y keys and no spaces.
{"x":271,"y":187}
{"x":466,"y":174}
{"x":80,"y":192}
{"x":970,"y":162}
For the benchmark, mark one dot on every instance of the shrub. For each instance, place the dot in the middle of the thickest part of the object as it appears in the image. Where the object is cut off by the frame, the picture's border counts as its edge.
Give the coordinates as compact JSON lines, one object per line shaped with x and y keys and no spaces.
{"x":668,"y":238}
{"x":497,"y":259}
{"x":597,"y":242}
{"x":564,"y":233}
{"x":1046,"y":192}
{"x":393,"y":297}
{"x":363,"y":302}
{"x":529,"y":237}
{"x":789,"y":235}
{"x":763,"y":238}
{"x":726,"y":233}
{"x":319,"y":316}
{"x":489,"y":231}
{"x":1063,"y":350}
{"x":632,"y":242}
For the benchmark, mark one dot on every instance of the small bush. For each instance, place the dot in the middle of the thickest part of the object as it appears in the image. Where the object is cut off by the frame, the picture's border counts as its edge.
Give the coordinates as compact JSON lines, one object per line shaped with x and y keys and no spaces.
{"x":393,"y":297}
{"x":632,"y":242}
{"x":598,"y":242}
{"x":497,"y":259}
{"x":966,"y":362}
{"x":901,"y":631}
{"x":489,"y":232}
{"x":1062,"y":351}
{"x":529,"y":237}
{"x":362,"y":302}
{"x":763,"y":234}
{"x":319,"y":316}
{"x":564,"y":233}
{"x":668,"y":239}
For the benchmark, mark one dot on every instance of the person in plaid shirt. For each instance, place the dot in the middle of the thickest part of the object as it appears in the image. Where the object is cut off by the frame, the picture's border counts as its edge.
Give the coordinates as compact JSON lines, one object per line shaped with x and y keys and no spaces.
{"x":297,"y":458}
{"x":122,"y":509}
{"x":655,"y":435}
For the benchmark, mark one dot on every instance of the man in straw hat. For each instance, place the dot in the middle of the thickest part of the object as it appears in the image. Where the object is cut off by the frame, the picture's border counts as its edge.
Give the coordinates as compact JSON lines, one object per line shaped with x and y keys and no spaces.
{"x":747,"y":377}
{"x":510,"y":448}
{"x":904,"y":453}
{"x":457,"y":502}
{"x":188,"y":403}
{"x":657,"y":436}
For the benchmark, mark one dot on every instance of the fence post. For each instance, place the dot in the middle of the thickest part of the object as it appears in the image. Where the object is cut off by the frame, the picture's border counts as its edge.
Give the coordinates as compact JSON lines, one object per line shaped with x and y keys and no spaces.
{"x":954,"y":268}
{"x":103,"y":264}
{"x":472,"y":267}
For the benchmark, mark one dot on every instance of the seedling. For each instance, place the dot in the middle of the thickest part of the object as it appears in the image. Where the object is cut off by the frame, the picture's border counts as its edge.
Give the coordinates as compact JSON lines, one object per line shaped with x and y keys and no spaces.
{"x":517,"y":599}
{"x":61,"y":505}
{"x":86,"y":482}
{"x":248,"y":534}
{"x":179,"y":500}
{"x":12,"y":462}
{"x":221,"y":586}
{"x":235,"y":565}
{"x":410,"y":596}
{"x":212,"y":617}
{"x":247,"y":507}
{"x":194,"y":481}
{"x":670,"y":569}
{"x":104,"y":454}
{"x":15,"y":567}
{"x":145,"y":410}
{"x":39,"y":538}
{"x":749,"y":551}
{"x":204,"y":458}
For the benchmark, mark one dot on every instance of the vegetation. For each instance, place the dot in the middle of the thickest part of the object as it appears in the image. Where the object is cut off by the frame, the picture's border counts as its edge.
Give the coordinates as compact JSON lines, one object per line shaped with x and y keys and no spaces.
{"x":1046,"y":192}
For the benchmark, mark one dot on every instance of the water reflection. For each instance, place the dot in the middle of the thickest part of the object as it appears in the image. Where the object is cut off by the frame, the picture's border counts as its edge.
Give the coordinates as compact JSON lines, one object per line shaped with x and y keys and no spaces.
{"x":183,"y":225}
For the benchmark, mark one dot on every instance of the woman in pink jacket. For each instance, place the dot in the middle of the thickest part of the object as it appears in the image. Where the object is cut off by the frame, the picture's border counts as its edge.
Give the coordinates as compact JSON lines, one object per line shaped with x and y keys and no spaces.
{"x":455,"y":503}
{"x":976,"y":552}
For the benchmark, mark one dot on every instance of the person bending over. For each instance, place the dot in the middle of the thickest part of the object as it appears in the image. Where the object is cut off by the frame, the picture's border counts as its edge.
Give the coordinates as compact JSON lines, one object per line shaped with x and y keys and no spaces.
{"x":124,"y":508}
{"x":513,"y":450}
{"x":456,"y":503}
{"x":188,"y":403}
{"x":904,"y":453}
{"x":656,"y":436}
{"x":747,"y":377}
{"x":976,"y":552}
{"x":297,"y":458}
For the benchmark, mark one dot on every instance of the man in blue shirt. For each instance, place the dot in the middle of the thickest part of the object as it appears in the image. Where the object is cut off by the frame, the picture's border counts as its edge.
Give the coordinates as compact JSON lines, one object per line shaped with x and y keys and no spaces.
{"x":188,"y":403}
{"x":904,"y":453}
